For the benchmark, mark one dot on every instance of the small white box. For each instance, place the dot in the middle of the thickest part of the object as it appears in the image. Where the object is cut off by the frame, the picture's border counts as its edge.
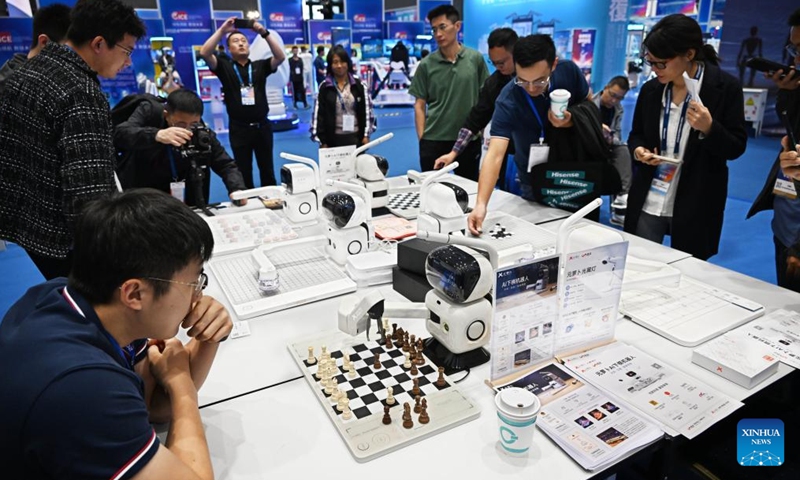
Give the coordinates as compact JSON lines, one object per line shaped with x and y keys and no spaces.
{"x":738,"y":358}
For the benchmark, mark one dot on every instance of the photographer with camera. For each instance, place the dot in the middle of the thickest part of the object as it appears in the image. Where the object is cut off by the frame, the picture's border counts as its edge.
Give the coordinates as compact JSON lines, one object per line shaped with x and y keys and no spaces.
{"x":168,"y":148}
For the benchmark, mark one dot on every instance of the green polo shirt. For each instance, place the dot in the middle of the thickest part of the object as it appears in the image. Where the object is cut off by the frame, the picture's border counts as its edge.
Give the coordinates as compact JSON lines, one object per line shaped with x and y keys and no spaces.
{"x":450,"y":90}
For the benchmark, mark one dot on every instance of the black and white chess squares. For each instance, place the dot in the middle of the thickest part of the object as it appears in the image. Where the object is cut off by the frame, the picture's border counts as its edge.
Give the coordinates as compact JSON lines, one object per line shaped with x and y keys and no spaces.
{"x":405,"y":204}
{"x":499,"y":232}
{"x":367,"y":389}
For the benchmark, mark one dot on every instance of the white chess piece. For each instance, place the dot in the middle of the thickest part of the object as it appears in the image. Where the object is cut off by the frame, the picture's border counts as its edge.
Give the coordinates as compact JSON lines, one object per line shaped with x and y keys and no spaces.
{"x":341,"y":403}
{"x":311,"y":360}
{"x":352,"y":372}
{"x":389,"y":395}
{"x":407,"y":363}
{"x":346,"y":413}
{"x":324,"y":353}
{"x":335,"y":396}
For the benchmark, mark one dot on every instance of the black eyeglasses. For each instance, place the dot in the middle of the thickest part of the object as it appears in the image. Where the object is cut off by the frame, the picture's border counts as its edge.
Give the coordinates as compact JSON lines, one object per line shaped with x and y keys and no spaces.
{"x":128,"y":51}
{"x":199,"y":285}
{"x":657,"y":65}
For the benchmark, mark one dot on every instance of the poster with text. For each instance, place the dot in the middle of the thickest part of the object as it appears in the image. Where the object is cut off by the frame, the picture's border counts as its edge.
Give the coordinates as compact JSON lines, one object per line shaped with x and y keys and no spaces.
{"x":583,"y":50}
{"x":286,"y":18}
{"x":367,"y":18}
{"x":189,"y":24}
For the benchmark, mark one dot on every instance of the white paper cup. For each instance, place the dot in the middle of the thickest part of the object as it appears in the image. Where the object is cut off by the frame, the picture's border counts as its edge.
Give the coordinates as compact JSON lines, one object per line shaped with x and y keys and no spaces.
{"x":558,"y":102}
{"x":517,"y":410}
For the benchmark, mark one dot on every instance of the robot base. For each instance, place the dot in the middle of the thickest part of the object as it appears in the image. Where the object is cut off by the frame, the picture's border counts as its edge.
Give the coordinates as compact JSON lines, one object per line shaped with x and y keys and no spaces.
{"x":301,"y":208}
{"x":433,"y":223}
{"x":453,"y":362}
{"x":349,"y":241}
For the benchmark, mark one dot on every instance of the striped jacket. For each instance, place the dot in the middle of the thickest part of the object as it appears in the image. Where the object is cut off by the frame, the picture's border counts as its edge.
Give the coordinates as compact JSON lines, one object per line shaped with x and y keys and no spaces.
{"x":56,"y":149}
{"x":323,"y":119}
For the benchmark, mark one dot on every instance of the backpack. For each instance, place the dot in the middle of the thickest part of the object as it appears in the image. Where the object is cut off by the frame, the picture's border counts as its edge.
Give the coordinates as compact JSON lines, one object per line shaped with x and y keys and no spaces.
{"x":125,"y":108}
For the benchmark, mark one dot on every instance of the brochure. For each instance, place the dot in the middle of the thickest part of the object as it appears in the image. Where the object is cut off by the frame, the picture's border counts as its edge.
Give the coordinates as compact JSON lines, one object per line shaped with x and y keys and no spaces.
{"x":595,"y":429}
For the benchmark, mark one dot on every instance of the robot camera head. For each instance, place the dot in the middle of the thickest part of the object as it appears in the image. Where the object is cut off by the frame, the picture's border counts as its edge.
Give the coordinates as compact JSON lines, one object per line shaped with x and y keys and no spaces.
{"x":446,"y":200}
{"x":371,"y":168}
{"x":298,"y":178}
{"x":344,"y":210}
{"x":460,"y":273}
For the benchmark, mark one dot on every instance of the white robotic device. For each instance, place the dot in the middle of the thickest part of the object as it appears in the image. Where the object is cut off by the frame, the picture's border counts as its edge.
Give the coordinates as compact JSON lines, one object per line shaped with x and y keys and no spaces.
{"x":349,"y":217}
{"x":371,"y":172}
{"x":301,"y":181}
{"x":443,"y":205}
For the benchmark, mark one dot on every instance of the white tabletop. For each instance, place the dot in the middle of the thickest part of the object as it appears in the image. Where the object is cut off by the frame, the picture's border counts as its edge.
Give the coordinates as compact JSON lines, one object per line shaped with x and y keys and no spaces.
{"x":283,"y":432}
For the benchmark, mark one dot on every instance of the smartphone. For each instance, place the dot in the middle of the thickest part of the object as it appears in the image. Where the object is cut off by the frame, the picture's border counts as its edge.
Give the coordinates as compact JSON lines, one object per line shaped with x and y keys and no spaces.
{"x":243,"y":23}
{"x":768,"y":66}
{"x":787,"y":124}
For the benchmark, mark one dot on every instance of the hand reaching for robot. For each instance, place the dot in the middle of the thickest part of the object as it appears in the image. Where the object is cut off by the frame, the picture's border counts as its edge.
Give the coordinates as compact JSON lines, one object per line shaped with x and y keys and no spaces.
{"x":444,"y":160}
{"x":174,"y":136}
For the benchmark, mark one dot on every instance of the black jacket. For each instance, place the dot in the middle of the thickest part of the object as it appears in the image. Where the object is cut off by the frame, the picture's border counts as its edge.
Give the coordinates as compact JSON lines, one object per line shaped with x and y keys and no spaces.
{"x":8,"y":68}
{"x":144,"y":162}
{"x":703,"y":185}
{"x":481,"y":113}
{"x":323,"y":119}
{"x":788,"y":100}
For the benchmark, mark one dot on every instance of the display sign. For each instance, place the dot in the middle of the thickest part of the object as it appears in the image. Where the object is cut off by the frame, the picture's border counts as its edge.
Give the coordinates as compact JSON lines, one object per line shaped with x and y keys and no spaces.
{"x":404,"y":30}
{"x":319,"y":31}
{"x":583,"y":40}
{"x":189,"y":23}
{"x":16,"y":36}
{"x":426,"y":6}
{"x":284,"y":17}
{"x":367,"y":18}
{"x":408,"y":14}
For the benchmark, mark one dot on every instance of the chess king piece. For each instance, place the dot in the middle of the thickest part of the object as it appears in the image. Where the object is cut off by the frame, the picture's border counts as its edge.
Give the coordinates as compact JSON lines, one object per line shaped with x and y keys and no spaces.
{"x":301,"y":182}
{"x":460,"y":313}
{"x":443,"y":205}
{"x":349,"y":221}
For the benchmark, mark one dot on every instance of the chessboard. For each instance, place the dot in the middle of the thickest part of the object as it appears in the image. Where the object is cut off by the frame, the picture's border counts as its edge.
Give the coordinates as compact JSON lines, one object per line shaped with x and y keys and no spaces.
{"x":244,"y":231}
{"x":510,"y":235}
{"x":361,"y":418}
{"x":404,"y":204}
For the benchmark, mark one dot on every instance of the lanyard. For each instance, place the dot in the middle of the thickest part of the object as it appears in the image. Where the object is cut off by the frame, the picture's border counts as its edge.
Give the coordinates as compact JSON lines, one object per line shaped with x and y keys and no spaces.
{"x":172,"y":164}
{"x":127,"y":358}
{"x":538,"y":118}
{"x":681,"y":121}
{"x":341,"y":98}
{"x":249,"y":74}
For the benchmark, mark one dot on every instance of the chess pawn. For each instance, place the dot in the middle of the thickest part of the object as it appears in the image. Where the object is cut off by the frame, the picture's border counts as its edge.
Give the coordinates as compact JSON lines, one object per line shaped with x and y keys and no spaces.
{"x":417,"y":406}
{"x":387,"y":419}
{"x":407,"y":363}
{"x":414,"y":370}
{"x":388,"y":342}
{"x":407,"y":421}
{"x":377,"y":364}
{"x":351,"y":373}
{"x":441,"y":382}
{"x":347,"y":414}
{"x":311,"y":360}
{"x":390,"y":396}
{"x":423,"y":415}
{"x":341,"y":404}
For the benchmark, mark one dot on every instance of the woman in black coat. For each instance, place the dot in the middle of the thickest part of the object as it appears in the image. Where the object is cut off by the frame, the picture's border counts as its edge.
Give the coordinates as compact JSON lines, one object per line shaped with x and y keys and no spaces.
{"x":685,"y":199}
{"x":343,"y":113}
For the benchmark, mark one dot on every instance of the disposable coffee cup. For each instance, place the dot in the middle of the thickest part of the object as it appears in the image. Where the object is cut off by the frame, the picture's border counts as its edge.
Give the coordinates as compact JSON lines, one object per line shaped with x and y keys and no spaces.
{"x":517,"y":410}
{"x":558,"y":102}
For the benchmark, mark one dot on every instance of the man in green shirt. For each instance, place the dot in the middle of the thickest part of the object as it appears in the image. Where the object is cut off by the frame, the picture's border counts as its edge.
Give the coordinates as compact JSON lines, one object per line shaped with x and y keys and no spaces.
{"x":447,"y":82}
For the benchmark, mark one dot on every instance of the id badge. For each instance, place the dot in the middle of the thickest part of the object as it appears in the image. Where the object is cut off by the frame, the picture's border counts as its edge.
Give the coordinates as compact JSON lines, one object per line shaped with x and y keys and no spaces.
{"x":538,"y":154}
{"x":784,"y":186}
{"x":665,"y":173}
{"x":297,"y":71}
{"x":348,"y":123}
{"x":178,"y":190}
{"x":248,"y":96}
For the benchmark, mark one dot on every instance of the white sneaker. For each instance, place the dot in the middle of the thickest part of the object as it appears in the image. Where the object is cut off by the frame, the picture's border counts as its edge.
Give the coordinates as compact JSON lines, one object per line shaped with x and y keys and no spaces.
{"x":620,"y":201}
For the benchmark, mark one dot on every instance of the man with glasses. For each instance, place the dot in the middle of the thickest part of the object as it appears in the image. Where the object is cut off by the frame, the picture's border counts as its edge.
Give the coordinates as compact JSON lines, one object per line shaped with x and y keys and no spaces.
{"x":501,"y":54}
{"x":446,"y":86}
{"x":780,"y":190}
{"x":609,"y":101}
{"x":151,"y":143}
{"x":100,"y":359}
{"x":522,"y":114}
{"x":56,"y":150}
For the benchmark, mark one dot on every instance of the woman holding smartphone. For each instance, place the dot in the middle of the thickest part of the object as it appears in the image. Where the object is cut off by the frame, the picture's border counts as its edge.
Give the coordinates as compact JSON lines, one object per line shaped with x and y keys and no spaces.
{"x":343,"y":113}
{"x":688,"y":122}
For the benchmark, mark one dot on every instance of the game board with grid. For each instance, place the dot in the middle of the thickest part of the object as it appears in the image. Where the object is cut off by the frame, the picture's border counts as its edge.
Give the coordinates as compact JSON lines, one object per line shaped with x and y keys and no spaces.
{"x":367,"y":390}
{"x":243,"y":231}
{"x":404,"y":204}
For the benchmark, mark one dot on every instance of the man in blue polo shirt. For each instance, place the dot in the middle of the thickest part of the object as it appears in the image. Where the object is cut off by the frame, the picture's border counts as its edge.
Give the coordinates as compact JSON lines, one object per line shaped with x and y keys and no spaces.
{"x":522,"y":114}
{"x":81,"y":382}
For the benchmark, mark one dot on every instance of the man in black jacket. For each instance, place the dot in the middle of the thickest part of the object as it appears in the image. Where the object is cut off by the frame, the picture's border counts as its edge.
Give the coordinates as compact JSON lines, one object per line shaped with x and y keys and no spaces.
{"x":780,"y":190}
{"x":152,"y":145}
{"x":501,"y":54}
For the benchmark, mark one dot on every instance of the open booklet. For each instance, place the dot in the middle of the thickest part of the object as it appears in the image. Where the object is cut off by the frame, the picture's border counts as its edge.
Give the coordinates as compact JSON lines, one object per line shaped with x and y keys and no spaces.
{"x":594,"y":428}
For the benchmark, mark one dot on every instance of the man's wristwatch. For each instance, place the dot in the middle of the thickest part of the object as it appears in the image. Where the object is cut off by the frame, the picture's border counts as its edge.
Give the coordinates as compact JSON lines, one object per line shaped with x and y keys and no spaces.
{"x":265,"y":34}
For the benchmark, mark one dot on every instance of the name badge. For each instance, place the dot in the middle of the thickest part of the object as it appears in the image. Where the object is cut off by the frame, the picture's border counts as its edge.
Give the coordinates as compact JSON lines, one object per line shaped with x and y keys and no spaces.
{"x":538,"y":154}
{"x":178,"y":190}
{"x":248,"y":96}
{"x":348,"y":123}
{"x":665,"y":174}
{"x":297,"y":71}
{"x":784,"y":186}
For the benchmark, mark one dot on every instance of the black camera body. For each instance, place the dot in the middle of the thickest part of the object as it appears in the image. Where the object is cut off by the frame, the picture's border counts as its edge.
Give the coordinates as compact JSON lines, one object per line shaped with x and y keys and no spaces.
{"x":199,"y":144}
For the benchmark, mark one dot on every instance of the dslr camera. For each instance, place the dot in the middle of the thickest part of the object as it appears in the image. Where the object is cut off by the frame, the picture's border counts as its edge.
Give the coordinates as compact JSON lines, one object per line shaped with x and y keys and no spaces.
{"x":200,"y":142}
